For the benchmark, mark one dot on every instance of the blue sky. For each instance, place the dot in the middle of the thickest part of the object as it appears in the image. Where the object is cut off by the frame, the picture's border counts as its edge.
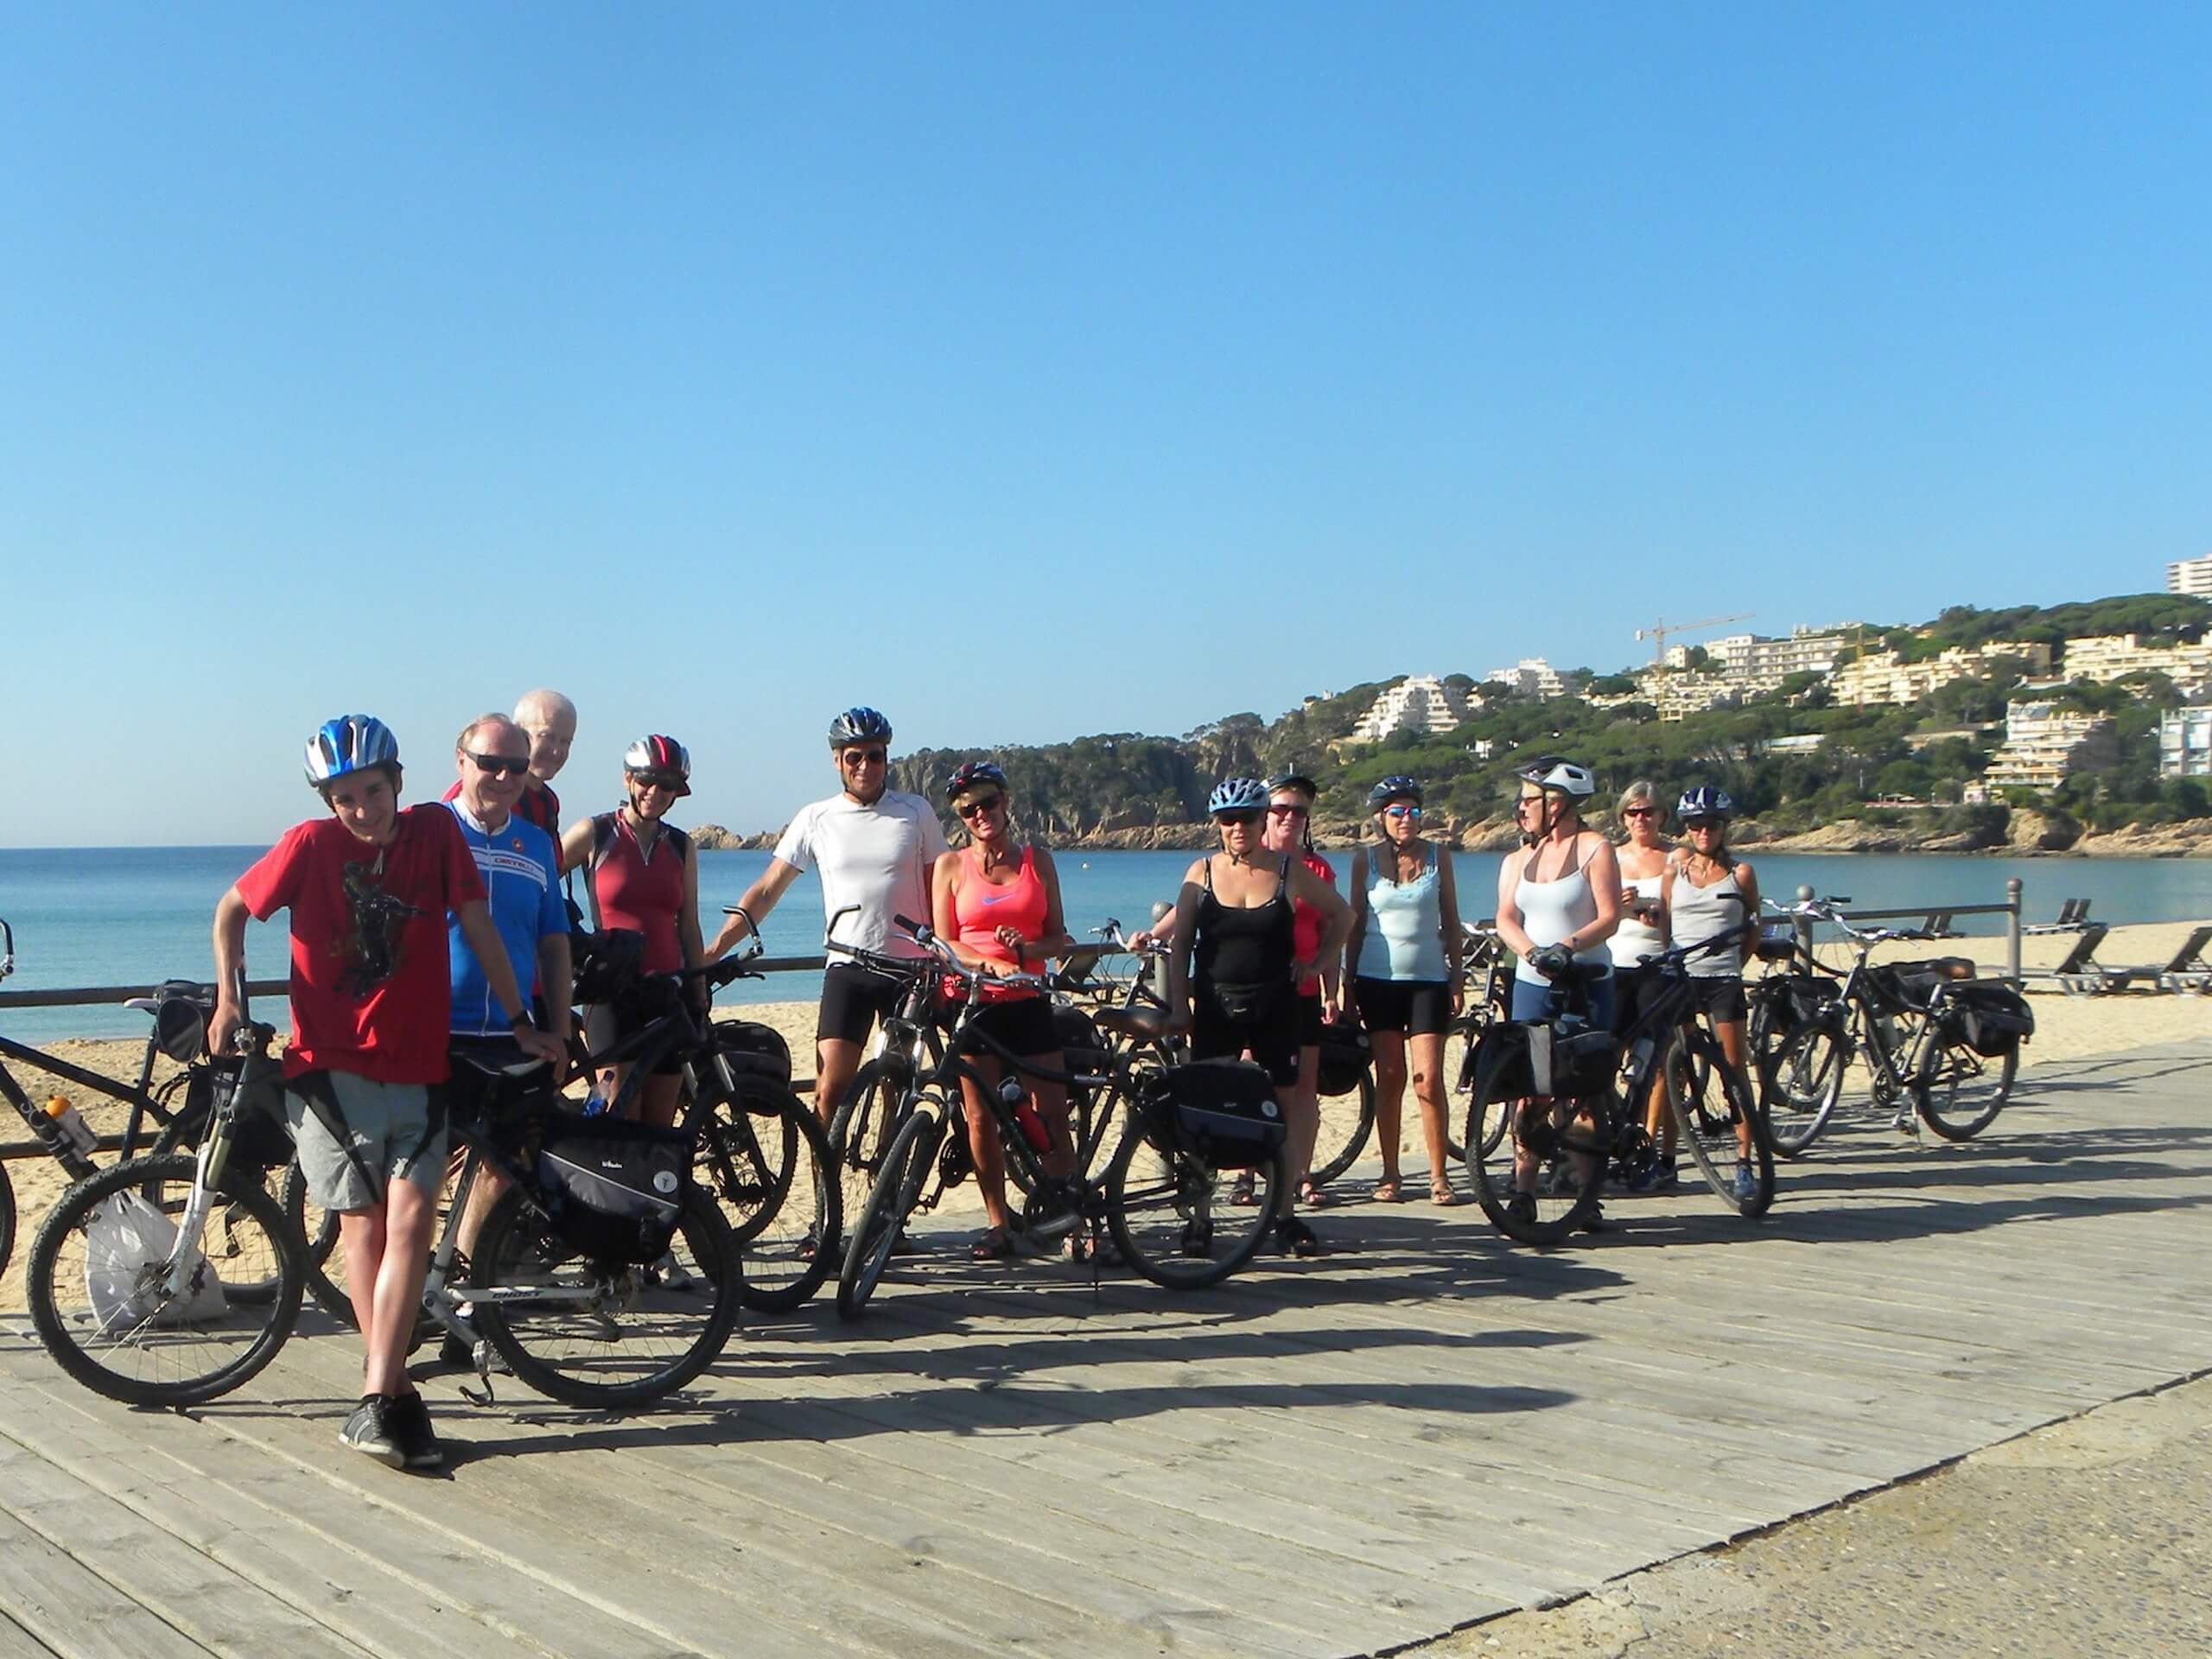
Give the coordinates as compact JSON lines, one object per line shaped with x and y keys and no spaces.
{"x":1034,"y":370}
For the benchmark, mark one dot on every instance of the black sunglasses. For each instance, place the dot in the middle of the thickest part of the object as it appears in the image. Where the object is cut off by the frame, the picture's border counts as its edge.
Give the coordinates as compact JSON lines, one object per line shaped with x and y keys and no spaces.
{"x":863,"y":757}
{"x":1253,"y":817}
{"x":499,"y":765}
{"x":976,"y":808}
{"x":657,"y":779}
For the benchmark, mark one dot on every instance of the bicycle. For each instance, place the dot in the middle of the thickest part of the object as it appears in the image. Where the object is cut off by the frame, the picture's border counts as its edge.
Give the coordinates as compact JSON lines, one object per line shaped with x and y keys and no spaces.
{"x":178,"y":1106}
{"x":1484,"y":960}
{"x":1571,"y":1098}
{"x":1914,"y":1024}
{"x":1161,"y":1193}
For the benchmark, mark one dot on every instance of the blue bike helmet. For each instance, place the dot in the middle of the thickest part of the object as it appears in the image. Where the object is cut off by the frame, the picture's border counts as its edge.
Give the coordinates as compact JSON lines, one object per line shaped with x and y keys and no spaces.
{"x":861,"y":725}
{"x":348,"y":744}
{"x":1239,"y":795}
{"x":1705,"y":802}
{"x":972,"y":772}
{"x":1396,"y":787}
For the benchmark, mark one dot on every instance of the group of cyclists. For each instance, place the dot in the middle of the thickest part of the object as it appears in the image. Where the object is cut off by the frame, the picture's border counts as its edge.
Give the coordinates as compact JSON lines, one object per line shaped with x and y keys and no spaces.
{"x":418,"y":932}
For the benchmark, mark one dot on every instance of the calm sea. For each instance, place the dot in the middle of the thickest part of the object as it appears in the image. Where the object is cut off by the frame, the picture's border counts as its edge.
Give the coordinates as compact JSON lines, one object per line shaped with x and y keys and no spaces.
{"x":122,"y":916}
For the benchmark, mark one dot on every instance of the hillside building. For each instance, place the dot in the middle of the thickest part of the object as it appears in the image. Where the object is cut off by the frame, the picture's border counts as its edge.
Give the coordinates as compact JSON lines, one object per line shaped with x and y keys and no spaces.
{"x":2190,"y":576}
{"x":2044,"y":744}
{"x":2109,"y":656}
{"x":1756,"y":665}
{"x":1691,"y":691}
{"x":1532,"y":677}
{"x":2185,"y":743}
{"x":1880,"y":677}
{"x":1420,"y":702}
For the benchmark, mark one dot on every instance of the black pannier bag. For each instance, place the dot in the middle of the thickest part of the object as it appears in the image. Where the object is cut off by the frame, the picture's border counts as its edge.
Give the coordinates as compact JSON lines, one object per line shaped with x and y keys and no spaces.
{"x":1081,"y":1047}
{"x":754,"y":1049}
{"x":1522,"y":1058}
{"x":1346,"y":1049}
{"x":1995,"y":1019}
{"x":261,"y":1139}
{"x":614,"y":1187}
{"x":1796,"y":999}
{"x":1222,"y":1112}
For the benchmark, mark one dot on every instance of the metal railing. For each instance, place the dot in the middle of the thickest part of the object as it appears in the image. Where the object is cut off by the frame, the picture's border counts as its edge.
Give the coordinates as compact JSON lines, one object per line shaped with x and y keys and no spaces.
{"x":2010,"y":910}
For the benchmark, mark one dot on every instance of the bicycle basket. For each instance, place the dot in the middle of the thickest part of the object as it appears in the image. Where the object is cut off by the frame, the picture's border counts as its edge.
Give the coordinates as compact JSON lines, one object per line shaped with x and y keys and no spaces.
{"x":614,"y":1188}
{"x":1346,"y":1049}
{"x":1994,"y":1019}
{"x":1222,"y":1112}
{"x":754,"y":1049}
{"x":609,"y":963}
{"x":260,"y":1137}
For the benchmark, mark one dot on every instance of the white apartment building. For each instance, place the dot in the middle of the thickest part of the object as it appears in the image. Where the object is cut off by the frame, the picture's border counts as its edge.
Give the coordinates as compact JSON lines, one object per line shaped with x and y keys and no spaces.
{"x":2185,"y":743}
{"x":1692,"y":691}
{"x":1531,"y":676}
{"x":1420,"y":702}
{"x":2043,"y":744}
{"x":1759,"y":664}
{"x":2110,"y":657}
{"x":1880,"y":677}
{"x":2190,"y":576}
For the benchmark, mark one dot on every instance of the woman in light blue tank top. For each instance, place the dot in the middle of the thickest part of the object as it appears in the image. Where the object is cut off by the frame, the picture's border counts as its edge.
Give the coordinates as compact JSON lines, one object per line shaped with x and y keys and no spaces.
{"x":1405,"y":958}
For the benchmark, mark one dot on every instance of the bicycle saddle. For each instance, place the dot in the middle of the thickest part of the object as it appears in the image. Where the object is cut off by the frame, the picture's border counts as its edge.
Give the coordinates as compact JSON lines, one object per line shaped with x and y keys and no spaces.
{"x":522,"y":1068}
{"x":1148,"y":1023}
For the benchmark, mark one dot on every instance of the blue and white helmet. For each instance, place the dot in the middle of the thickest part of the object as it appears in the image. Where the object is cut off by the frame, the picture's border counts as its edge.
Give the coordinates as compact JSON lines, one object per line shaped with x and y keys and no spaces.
{"x":1396,"y":787}
{"x":348,"y":744}
{"x":1705,"y":802}
{"x":1238,"y":795}
{"x":861,"y":725}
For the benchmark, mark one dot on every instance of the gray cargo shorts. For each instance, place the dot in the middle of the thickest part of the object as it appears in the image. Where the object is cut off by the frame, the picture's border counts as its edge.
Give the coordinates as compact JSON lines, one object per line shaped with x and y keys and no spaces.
{"x":355,"y":1136}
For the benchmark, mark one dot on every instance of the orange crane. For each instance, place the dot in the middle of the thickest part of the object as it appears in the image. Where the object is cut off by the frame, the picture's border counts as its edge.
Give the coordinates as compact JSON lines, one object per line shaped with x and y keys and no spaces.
{"x":1657,"y":632}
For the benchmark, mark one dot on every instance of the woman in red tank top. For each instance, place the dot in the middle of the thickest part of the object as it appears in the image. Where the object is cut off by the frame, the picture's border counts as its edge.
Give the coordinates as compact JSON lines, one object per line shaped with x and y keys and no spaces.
{"x":997,"y":903}
{"x":643,"y":874}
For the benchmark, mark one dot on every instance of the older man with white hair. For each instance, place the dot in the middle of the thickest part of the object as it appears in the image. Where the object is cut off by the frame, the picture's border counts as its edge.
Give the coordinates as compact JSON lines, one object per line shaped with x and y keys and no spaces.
{"x":549,"y":720}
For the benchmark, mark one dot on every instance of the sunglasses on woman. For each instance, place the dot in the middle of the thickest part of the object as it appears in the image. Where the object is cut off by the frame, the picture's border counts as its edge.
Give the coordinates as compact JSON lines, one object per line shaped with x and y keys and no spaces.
{"x":976,"y":806}
{"x":1245,"y":818}
{"x":1637,"y":811}
{"x":1401,"y":810}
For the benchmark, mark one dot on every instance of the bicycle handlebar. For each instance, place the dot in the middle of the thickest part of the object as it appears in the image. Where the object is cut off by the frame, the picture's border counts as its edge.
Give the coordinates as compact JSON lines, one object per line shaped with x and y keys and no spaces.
{"x":927,"y":936}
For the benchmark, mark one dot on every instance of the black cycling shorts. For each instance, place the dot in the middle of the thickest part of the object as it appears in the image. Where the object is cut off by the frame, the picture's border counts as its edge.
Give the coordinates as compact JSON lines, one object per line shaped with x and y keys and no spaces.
{"x":1021,"y":1024}
{"x":853,"y":999}
{"x":1419,"y":1007}
{"x":1309,"y":1020}
{"x":1265,"y":1023}
{"x":1720,"y":1000}
{"x":1638,"y":988}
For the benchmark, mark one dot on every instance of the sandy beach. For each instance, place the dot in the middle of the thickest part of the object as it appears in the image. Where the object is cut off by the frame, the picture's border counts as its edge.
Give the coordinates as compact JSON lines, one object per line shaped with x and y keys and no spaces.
{"x":2067,"y":1028}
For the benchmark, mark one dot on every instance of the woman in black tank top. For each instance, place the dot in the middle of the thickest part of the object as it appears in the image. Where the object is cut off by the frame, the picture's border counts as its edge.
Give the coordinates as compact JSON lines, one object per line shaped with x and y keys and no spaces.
{"x":1233,"y":966}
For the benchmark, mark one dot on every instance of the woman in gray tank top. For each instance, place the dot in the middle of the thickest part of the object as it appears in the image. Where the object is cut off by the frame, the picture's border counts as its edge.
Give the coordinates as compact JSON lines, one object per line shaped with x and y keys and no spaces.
{"x":1709,"y":896}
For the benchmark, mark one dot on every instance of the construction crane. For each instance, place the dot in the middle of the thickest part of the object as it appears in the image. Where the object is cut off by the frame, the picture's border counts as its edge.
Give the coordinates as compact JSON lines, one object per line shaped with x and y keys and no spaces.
{"x":1657,"y":632}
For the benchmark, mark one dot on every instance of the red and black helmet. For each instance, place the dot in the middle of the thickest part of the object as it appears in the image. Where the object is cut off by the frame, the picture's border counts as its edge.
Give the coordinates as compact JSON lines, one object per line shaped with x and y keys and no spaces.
{"x":659,"y":756}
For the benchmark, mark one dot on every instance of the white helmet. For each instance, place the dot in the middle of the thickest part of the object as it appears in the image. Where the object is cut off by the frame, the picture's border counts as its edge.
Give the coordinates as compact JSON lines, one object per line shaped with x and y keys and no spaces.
{"x":1563,"y":775}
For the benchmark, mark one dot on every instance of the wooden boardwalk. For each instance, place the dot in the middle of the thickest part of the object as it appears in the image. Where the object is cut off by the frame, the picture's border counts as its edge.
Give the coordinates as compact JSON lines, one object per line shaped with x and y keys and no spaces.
{"x":1326,"y":1459}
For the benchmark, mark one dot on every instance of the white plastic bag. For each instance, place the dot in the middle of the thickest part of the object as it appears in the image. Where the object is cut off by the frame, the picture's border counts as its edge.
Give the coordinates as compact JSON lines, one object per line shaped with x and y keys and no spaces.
{"x":126,"y":1243}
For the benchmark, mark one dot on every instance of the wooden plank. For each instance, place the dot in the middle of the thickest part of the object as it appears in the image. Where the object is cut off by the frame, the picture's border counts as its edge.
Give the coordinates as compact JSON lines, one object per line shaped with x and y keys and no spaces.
{"x":74,"y":1613}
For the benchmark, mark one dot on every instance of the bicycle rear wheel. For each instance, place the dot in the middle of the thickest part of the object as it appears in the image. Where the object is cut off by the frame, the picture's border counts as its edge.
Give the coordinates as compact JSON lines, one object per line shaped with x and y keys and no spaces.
{"x":1170,"y":1213}
{"x":322,"y":1256}
{"x":7,"y":1219}
{"x":1803,"y":1082}
{"x":898,"y":1188}
{"x":98,"y":1283}
{"x":1347,"y":1123}
{"x":604,"y":1334}
{"x":1709,"y":1098}
{"x":1957,"y":1092}
{"x":766,"y":1160}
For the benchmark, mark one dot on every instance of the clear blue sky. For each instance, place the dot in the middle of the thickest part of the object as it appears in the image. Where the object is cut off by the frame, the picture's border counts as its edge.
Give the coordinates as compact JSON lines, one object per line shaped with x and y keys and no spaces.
{"x":1033,"y":371}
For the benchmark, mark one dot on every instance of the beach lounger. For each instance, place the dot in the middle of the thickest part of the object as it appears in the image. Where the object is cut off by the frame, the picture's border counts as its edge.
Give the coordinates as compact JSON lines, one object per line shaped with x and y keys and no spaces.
{"x":2073,"y":916}
{"x":2080,"y":974}
{"x":1938,"y":925}
{"x":2190,"y":969}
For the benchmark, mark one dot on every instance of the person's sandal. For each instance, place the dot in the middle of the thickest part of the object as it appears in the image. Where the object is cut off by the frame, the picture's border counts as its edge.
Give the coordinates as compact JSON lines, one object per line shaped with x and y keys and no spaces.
{"x":1294,"y":1235}
{"x":1388,"y":1191}
{"x":1244,"y":1190}
{"x":992,"y":1244}
{"x":1442,"y":1195}
{"x":1313,"y":1196}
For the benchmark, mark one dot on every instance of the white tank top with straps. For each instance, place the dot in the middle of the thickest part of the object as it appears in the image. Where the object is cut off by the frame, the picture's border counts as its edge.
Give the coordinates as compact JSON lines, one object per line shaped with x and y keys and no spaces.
{"x":1634,"y":940}
{"x":1703,"y":913}
{"x":1552,"y":911}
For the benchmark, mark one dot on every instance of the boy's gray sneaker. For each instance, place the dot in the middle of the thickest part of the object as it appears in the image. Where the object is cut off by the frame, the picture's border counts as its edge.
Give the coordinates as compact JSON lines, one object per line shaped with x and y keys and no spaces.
{"x":408,"y":1421}
{"x":369,"y":1431}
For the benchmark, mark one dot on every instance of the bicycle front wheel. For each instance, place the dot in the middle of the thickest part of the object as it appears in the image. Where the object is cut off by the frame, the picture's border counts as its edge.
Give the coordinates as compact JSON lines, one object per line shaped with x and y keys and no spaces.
{"x":1347,"y":1121}
{"x":603,"y":1334}
{"x":1957,"y":1092}
{"x":1803,"y":1082}
{"x":1538,"y":1177}
{"x":898,"y":1188}
{"x":7,"y":1219}
{"x":867,"y":1120}
{"x":766,"y":1160}
{"x":1716,"y":1113}
{"x":1459,"y":1059}
{"x":127,"y":1311}
{"x":1170,"y":1212}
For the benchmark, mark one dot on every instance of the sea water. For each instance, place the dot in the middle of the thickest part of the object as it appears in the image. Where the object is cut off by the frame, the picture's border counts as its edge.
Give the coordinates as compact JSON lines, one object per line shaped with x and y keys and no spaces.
{"x":131,"y":915}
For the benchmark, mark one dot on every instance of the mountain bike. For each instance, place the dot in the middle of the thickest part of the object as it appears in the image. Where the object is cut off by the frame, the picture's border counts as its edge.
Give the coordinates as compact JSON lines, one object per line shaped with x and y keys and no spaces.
{"x":1164,"y":1200}
{"x":1570,"y":1095}
{"x":1914,"y":1026}
{"x":1486,"y":981}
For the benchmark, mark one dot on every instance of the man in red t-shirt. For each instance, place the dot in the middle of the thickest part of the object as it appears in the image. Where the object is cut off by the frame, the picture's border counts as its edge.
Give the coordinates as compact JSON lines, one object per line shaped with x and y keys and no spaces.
{"x":368,"y":890}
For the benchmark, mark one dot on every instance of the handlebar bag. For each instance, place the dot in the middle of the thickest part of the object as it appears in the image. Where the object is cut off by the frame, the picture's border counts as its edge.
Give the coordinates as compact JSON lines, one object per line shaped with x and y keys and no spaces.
{"x":1995,"y":1019}
{"x":608,"y":963}
{"x":261,"y":1140}
{"x":1346,"y":1051}
{"x":1222,"y":1112}
{"x":614,"y":1188}
{"x":1798,"y":999}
